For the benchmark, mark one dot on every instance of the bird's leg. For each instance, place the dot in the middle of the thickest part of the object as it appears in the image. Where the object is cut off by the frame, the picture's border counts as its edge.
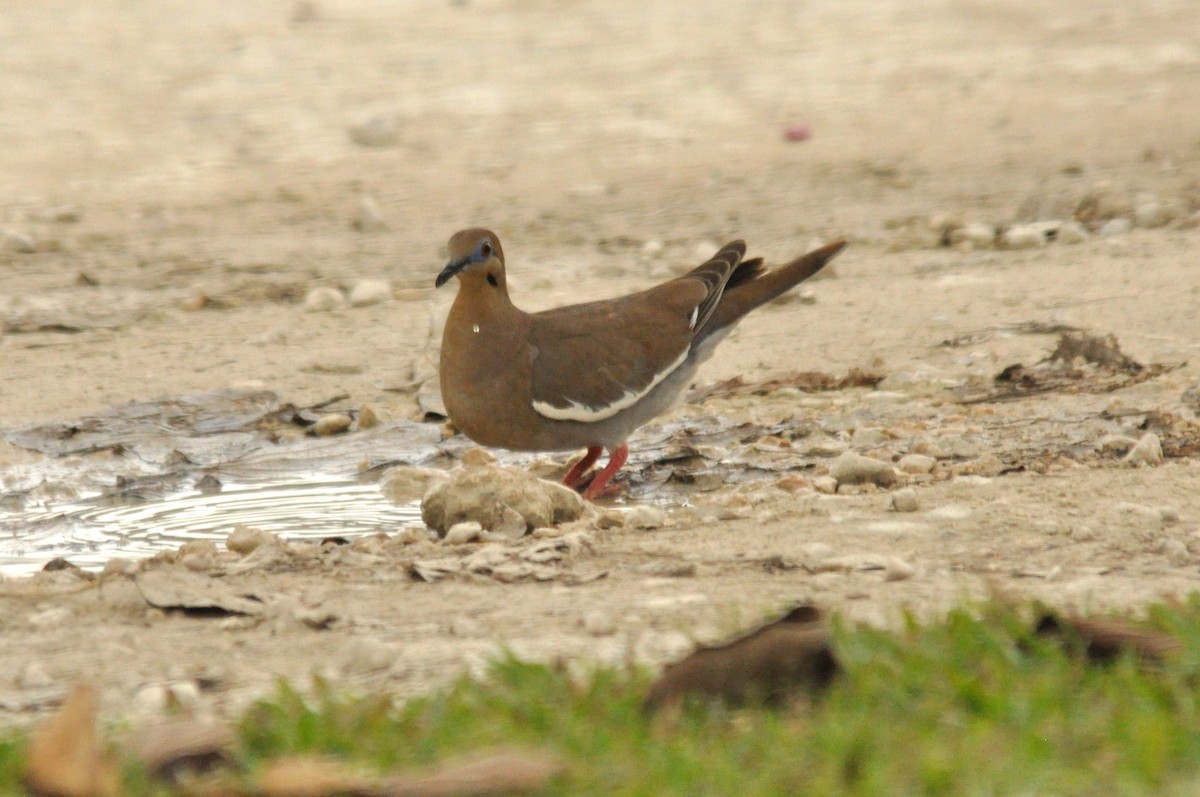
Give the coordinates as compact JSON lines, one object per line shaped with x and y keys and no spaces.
{"x":575,"y":474}
{"x":599,"y":485}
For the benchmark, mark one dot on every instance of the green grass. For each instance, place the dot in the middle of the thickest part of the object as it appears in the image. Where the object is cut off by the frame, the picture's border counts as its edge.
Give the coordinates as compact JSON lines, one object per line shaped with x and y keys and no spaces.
{"x":971,"y":705}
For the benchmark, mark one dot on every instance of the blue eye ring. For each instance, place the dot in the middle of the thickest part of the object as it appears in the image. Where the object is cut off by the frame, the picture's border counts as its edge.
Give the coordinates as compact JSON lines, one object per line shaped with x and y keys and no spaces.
{"x":484,"y":251}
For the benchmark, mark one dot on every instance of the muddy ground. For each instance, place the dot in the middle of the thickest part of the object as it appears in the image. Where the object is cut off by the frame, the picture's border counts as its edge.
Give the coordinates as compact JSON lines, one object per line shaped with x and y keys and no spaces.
{"x":178,"y":178}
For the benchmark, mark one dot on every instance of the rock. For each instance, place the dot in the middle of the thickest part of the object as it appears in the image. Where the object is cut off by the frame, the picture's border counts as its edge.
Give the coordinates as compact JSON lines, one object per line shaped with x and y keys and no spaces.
{"x":119,"y":566}
{"x":905,"y":500}
{"x":896,"y":569}
{"x":599,"y":623}
{"x":825,"y":484}
{"x":368,"y":292}
{"x":245,"y":539}
{"x":155,"y":699}
{"x":851,"y":468}
{"x":1168,"y":515}
{"x":465,"y":532}
{"x":323,"y":299}
{"x":482,"y":493}
{"x":609,"y":519}
{"x":987,"y":465}
{"x":954,"y":446}
{"x":792,"y":483}
{"x":32,"y":676}
{"x":1115,"y":227}
{"x":652,"y":249}
{"x":331,"y":424}
{"x":1073,"y":233}
{"x":13,"y":241}
{"x":1023,"y":236}
{"x":367,"y":418}
{"x":511,"y":524}
{"x":1148,"y":213}
{"x":929,"y":449}
{"x":916,"y":463}
{"x":1176,"y":551}
{"x":198,"y":555}
{"x":868,"y":437}
{"x":645,"y":517}
{"x":50,"y":618}
{"x":404,"y":484}
{"x":1148,"y":451}
{"x":1116,"y":444}
{"x":378,"y":131}
{"x":478,"y":458}
{"x":368,"y":218}
{"x":364,"y":655}
{"x":973,"y":236}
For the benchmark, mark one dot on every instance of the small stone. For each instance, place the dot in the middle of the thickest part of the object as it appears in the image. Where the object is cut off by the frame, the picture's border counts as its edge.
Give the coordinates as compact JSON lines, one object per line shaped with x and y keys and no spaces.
{"x":609,"y":519}
{"x":896,"y":569}
{"x":1148,"y":213}
{"x":369,"y":218}
{"x":1116,"y":444}
{"x":368,"y":292}
{"x":1148,"y":451}
{"x":929,"y":449}
{"x":378,"y":131}
{"x":868,"y":437}
{"x":652,"y":249}
{"x":1023,"y":236}
{"x":1073,"y":233}
{"x":1168,"y":515}
{"x":905,"y":500}
{"x":478,"y":458}
{"x":975,"y":236}
{"x":851,"y":468}
{"x":50,"y":618}
{"x":1176,"y":551}
{"x":331,"y":424}
{"x":64,"y":214}
{"x":245,"y":539}
{"x":13,"y":241}
{"x":645,"y":517}
{"x":481,"y":493}
{"x":323,"y":299}
{"x":702,"y":250}
{"x":987,"y":465}
{"x":825,"y":484}
{"x":367,"y":418}
{"x":118,"y":566}
{"x":916,"y":463}
{"x":465,"y":532}
{"x":792,"y":483}
{"x":510,"y":524}
{"x":32,"y":676}
{"x":599,"y":623}
{"x":1115,"y":227}
{"x":404,"y":484}
{"x":364,"y":655}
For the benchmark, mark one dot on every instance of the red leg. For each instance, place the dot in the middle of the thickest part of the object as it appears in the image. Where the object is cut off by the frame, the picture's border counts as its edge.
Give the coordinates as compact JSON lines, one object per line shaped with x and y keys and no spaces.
{"x":581,"y":467}
{"x":599,"y":485}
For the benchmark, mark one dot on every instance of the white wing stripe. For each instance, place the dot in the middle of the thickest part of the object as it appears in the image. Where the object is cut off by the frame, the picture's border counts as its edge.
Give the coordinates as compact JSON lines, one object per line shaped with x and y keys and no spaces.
{"x":581,"y":412}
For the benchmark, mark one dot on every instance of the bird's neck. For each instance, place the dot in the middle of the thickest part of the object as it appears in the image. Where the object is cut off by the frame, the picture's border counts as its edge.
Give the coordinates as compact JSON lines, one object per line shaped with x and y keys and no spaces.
{"x":479,"y":307}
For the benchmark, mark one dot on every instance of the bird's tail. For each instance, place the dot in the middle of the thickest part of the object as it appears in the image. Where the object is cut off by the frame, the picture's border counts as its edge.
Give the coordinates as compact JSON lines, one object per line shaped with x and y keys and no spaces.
{"x":757,"y":286}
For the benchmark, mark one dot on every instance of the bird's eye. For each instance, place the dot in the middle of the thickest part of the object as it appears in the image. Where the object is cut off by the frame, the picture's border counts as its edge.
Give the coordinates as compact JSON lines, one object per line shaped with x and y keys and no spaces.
{"x":485,"y":249}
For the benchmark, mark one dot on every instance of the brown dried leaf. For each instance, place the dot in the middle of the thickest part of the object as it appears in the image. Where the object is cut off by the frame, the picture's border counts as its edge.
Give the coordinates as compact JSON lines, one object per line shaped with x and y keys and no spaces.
{"x":764,"y":665}
{"x":312,"y":776}
{"x":65,"y":757}
{"x":807,"y":381}
{"x":177,"y":748}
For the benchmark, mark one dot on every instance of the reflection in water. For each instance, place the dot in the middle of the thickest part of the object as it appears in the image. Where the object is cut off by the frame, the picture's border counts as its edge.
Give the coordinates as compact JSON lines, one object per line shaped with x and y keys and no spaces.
{"x":91,"y":531}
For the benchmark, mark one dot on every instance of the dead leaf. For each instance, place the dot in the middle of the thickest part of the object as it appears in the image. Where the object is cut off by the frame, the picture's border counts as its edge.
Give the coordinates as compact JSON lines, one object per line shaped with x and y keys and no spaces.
{"x":806,"y":381}
{"x":764,"y":665}
{"x":312,"y":776}
{"x":194,"y":593}
{"x":65,"y":757}
{"x":1104,"y":639}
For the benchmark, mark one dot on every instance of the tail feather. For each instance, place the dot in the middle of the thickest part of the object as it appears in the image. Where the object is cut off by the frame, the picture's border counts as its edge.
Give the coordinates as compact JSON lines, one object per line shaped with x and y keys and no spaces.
{"x":752,"y":285}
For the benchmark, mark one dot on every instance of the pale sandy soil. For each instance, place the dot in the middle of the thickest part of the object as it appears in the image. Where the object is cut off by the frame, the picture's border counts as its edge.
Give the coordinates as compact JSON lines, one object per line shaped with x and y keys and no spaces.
{"x":204,"y":150}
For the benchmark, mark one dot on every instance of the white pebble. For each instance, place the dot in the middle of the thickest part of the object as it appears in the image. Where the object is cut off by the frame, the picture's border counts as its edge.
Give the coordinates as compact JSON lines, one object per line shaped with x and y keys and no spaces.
{"x":825,"y":484}
{"x":645,"y":517}
{"x":1176,"y":551}
{"x":1115,"y":227}
{"x":652,"y":249}
{"x":245,"y":539}
{"x":1072,"y":233}
{"x":1148,"y":213}
{"x":916,"y":463}
{"x":13,"y":241}
{"x":896,"y":569}
{"x":975,"y":235}
{"x":369,"y":217}
{"x":331,"y":424}
{"x":118,"y":566}
{"x":49,"y":618}
{"x":599,"y":623}
{"x":851,"y":468}
{"x":323,"y":299}
{"x":463,"y":533}
{"x":905,"y":500}
{"x":1148,"y":451}
{"x":367,"y":292}
{"x":867,"y":437}
{"x":1023,"y":236}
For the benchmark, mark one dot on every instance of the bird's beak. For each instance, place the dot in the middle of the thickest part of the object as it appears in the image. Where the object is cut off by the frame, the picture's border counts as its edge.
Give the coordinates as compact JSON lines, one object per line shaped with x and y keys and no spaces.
{"x":452,"y":268}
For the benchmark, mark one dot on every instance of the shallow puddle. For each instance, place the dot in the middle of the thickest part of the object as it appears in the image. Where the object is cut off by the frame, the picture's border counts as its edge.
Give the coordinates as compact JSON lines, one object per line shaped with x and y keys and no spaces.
{"x":89,"y":532}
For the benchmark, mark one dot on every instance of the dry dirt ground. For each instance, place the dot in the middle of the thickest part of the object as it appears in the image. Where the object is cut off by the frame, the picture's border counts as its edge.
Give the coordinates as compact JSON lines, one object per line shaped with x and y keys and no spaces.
{"x":184,"y":175}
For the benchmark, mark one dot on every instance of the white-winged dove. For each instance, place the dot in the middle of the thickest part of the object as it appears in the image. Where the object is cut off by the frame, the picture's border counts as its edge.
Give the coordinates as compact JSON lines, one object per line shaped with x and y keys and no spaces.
{"x":588,"y":375}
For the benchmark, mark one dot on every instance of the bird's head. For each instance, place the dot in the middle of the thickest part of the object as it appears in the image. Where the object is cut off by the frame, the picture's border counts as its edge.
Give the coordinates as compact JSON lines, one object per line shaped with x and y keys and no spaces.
{"x":474,"y":254}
